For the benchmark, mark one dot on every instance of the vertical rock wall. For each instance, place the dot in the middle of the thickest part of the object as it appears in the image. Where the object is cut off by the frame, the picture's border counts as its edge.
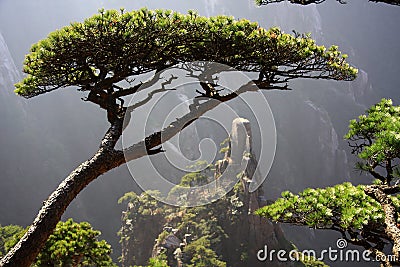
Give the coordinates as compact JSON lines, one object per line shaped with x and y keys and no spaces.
{"x":244,"y":233}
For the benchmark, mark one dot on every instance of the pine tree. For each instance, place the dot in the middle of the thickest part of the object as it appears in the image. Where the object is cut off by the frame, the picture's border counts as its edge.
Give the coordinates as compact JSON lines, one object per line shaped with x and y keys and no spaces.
{"x":112,"y":47}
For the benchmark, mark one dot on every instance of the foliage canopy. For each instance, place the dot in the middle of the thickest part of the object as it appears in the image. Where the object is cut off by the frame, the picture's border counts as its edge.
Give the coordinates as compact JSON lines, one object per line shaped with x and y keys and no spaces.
{"x":111,"y":46}
{"x":375,"y":138}
{"x":71,"y":243}
{"x":6,"y":234}
{"x":343,"y":206}
{"x":365,"y":215}
{"x":106,"y":55}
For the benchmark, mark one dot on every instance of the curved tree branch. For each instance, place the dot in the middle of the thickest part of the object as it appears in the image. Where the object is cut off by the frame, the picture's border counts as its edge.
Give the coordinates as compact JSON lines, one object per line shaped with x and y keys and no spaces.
{"x":104,"y":160}
{"x":26,"y":250}
{"x":113,"y":46}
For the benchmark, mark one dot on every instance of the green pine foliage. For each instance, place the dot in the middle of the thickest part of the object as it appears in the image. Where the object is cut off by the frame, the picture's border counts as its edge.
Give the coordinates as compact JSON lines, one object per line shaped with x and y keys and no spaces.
{"x":6,"y":236}
{"x":202,"y":255}
{"x":194,"y":179}
{"x":375,"y":138}
{"x":75,"y":243}
{"x":119,"y":44}
{"x":143,"y":204}
{"x":71,"y":244}
{"x":213,"y":229}
{"x":201,"y":222}
{"x":158,"y":261}
{"x":207,"y":225}
{"x":344,"y":206}
{"x":360,"y":218}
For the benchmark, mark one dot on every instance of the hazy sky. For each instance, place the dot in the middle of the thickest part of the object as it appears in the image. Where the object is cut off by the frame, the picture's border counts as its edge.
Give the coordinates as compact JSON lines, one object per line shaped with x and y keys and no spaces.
{"x":363,"y":25}
{"x":70,"y":129}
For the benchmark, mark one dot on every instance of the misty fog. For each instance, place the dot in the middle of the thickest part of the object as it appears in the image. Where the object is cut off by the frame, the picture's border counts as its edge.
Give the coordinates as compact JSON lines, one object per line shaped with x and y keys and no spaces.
{"x":44,"y":138}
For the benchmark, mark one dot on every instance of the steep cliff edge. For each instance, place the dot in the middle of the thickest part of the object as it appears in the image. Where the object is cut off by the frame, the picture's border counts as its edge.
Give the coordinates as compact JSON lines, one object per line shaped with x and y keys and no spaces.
{"x":225,"y":232}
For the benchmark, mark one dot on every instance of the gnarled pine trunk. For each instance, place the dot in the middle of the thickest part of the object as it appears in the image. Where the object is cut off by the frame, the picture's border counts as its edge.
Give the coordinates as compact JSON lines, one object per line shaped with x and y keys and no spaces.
{"x":23,"y":254}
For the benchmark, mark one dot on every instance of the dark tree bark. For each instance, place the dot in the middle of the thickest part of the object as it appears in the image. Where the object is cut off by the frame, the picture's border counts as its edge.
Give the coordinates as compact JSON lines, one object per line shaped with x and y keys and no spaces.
{"x":381,"y":193}
{"x":105,"y":159}
{"x":113,"y":47}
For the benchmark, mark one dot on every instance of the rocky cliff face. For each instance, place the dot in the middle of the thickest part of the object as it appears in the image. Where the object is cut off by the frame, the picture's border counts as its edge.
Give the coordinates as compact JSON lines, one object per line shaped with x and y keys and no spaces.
{"x":258,"y":231}
{"x":8,"y":71}
{"x":231,"y":230}
{"x":28,"y":159}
